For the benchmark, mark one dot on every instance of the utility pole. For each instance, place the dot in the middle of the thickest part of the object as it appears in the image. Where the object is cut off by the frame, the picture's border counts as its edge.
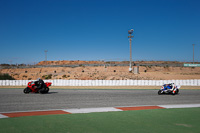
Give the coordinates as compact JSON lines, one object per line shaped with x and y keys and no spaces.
{"x":193,"y":52}
{"x":46,"y":56}
{"x":130,"y":32}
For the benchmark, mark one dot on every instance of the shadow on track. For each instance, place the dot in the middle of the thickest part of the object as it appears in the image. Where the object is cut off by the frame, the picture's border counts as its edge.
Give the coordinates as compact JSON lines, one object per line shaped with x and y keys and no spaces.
{"x":51,"y":92}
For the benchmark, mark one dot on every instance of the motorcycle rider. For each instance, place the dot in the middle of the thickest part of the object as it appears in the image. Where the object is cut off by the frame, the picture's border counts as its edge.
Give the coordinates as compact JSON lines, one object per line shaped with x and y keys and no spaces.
{"x":40,"y":85}
{"x":169,"y":86}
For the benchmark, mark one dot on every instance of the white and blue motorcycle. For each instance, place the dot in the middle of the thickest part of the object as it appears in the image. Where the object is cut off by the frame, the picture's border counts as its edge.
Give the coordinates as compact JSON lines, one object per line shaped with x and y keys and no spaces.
{"x":170,"y":88}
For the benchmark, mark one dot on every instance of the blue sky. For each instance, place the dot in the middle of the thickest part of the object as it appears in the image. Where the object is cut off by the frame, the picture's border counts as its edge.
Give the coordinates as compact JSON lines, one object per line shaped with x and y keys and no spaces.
{"x":98,"y":30}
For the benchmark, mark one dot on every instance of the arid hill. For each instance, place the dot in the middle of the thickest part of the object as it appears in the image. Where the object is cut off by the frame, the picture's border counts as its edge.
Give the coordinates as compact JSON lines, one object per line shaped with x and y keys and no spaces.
{"x":65,"y":62}
{"x":79,"y":62}
{"x":104,"y":72}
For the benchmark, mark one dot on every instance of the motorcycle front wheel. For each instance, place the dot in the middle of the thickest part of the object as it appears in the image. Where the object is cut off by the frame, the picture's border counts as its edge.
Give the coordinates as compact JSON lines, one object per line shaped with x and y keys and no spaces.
{"x":27,"y":90}
{"x":159,"y":92}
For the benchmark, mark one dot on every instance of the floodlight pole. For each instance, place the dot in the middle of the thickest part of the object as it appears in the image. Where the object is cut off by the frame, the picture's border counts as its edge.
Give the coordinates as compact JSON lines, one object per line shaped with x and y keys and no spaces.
{"x":46,"y":56}
{"x":193,"y":52}
{"x":130,"y":36}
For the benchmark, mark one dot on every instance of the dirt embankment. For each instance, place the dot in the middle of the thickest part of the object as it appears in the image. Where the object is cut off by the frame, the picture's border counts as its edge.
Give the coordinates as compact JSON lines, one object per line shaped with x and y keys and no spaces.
{"x":103,"y":72}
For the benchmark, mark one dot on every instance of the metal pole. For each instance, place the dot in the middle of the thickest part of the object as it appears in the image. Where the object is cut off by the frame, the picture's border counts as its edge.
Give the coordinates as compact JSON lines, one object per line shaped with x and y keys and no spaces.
{"x":130,"y":67}
{"x":46,"y":56}
{"x":193,"y":52}
{"x":130,"y":36}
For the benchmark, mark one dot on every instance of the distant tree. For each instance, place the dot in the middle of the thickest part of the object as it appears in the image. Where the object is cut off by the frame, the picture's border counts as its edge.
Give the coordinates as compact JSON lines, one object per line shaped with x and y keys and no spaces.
{"x":5,"y":64}
{"x":6,"y":77}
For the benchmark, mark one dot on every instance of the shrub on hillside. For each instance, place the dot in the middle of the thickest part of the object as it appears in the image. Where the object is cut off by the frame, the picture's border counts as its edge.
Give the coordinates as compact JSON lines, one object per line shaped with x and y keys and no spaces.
{"x":6,"y":77}
{"x":47,"y":76}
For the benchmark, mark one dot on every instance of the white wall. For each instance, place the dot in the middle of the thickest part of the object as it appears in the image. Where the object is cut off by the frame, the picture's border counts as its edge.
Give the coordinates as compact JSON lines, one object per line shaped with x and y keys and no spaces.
{"x":61,"y":82}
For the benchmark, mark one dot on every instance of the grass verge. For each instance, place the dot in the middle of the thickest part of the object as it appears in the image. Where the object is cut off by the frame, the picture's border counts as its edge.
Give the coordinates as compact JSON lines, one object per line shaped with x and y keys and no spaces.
{"x":142,"y":121}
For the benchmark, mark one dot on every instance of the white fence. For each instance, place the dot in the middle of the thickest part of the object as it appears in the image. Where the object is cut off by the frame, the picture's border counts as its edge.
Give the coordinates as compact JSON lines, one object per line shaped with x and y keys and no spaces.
{"x":60,"y":82}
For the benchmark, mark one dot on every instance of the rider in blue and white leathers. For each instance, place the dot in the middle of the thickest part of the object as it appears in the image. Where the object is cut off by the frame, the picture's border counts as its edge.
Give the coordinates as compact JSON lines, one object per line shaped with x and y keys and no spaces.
{"x":169,"y":86}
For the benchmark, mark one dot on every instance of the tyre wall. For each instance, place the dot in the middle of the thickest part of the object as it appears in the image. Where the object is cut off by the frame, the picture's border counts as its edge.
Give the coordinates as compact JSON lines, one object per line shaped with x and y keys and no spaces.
{"x":60,"y":82}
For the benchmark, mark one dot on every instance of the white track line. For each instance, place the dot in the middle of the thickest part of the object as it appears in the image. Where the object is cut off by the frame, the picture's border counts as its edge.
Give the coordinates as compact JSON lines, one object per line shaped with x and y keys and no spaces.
{"x":91,"y":110}
{"x":180,"y":106}
{"x":3,"y":116}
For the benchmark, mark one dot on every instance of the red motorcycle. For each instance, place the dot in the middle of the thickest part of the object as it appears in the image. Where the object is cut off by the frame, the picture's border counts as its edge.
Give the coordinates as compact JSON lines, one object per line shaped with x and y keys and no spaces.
{"x":33,"y":87}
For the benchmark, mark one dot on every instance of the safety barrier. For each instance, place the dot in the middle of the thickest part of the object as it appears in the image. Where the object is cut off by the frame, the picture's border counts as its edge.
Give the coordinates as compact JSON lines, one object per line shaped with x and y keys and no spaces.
{"x":61,"y":82}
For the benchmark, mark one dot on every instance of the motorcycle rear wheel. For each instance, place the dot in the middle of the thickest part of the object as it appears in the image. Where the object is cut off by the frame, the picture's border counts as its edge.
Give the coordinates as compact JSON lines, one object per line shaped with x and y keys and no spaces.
{"x":47,"y":90}
{"x":177,"y":91}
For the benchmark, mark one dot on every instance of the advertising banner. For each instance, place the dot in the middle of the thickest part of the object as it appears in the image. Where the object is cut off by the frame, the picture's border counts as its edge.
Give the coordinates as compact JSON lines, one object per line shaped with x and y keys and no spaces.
{"x":191,"y":65}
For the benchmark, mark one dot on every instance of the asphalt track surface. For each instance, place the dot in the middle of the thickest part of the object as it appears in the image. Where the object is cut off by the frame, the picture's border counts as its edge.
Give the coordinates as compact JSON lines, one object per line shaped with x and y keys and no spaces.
{"x":16,"y":100}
